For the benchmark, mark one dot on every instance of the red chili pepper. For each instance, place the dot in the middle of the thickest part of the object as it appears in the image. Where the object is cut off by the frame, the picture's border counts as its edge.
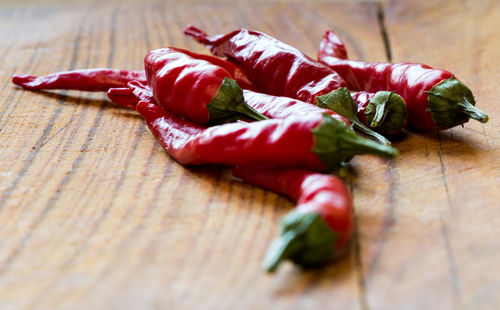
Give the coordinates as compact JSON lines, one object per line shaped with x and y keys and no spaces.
{"x":182,"y":81}
{"x":278,"y":69}
{"x":270,"y":106}
{"x":284,"y":107}
{"x":195,"y":88}
{"x":100,"y":79}
{"x":435,"y":99}
{"x":319,"y":228}
{"x":123,"y":96}
{"x":273,"y":66}
{"x":315,"y":142}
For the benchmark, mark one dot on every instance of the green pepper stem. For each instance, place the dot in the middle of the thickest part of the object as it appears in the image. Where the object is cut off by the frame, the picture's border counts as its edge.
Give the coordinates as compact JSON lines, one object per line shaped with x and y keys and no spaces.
{"x":358,"y":145}
{"x":451,"y":103}
{"x":381,"y":111}
{"x":335,"y":142}
{"x":467,"y":108}
{"x":279,"y":250}
{"x":386,"y":111}
{"x":341,"y":102}
{"x":229,"y":105}
{"x":367,"y":131}
{"x":306,"y":239}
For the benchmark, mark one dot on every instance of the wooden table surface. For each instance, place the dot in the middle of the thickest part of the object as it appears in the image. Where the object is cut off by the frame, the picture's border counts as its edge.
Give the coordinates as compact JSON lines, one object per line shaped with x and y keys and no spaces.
{"x":95,"y":215}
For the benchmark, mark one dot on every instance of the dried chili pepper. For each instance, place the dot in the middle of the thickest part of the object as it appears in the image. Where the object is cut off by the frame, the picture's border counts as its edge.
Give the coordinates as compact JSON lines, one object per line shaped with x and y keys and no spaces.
{"x":195,"y":88}
{"x":100,"y":79}
{"x":278,"y":69}
{"x":435,"y":99}
{"x":315,"y":142}
{"x":319,"y":228}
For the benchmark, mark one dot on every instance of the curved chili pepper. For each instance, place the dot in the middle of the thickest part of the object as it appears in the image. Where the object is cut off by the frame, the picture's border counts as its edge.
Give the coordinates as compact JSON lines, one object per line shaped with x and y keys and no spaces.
{"x":315,"y":142}
{"x":319,"y":228}
{"x":435,"y":99}
{"x":100,"y":79}
{"x":273,"y":66}
{"x":195,"y":88}
{"x":278,"y":69}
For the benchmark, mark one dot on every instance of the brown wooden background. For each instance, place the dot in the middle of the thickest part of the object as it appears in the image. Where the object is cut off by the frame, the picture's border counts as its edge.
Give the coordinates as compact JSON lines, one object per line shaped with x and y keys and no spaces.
{"x":94,"y":215}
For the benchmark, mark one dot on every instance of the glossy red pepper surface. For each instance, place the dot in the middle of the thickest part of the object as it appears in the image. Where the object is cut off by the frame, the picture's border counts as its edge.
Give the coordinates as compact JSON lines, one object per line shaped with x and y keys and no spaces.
{"x":362,"y":99}
{"x":274,"y":67}
{"x":283,"y":107}
{"x":100,"y":79}
{"x":316,"y":141}
{"x":235,"y":71}
{"x":325,"y":195}
{"x":412,"y":81}
{"x":194,"y":88}
{"x":273,"y":107}
{"x":278,"y":69}
{"x":181,"y":84}
{"x":278,"y":142}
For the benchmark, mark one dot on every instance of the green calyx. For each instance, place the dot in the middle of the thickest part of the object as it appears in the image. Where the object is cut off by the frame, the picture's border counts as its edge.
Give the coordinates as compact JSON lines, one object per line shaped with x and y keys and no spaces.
{"x":335,"y":142}
{"x":305,"y":239}
{"x":228,"y":105}
{"x":341,"y":102}
{"x":386,"y":112}
{"x":451,"y":103}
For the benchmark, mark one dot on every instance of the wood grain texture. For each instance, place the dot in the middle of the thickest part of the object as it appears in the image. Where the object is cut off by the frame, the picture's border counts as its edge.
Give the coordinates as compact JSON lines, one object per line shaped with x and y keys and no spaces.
{"x":441,"y":244}
{"x":94,"y":215}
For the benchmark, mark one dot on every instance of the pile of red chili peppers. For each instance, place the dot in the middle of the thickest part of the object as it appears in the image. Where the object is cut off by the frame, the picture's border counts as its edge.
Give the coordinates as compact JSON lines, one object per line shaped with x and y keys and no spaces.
{"x":283,"y":119}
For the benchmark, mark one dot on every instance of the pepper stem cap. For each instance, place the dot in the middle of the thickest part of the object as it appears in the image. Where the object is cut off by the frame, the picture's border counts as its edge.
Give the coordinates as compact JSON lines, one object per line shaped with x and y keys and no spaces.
{"x":386,"y":112}
{"x":335,"y":142}
{"x":229,"y":105}
{"x":306,"y":239}
{"x":451,"y":103}
{"x":341,"y":102}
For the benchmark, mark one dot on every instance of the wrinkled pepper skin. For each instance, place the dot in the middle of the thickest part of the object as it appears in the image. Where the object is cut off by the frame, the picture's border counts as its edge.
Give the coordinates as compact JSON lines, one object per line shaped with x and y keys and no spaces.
{"x":194,"y":88}
{"x":314,"y":193}
{"x":100,"y":79}
{"x":412,"y":81}
{"x":181,"y":84}
{"x":278,"y":69}
{"x":274,"y":67}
